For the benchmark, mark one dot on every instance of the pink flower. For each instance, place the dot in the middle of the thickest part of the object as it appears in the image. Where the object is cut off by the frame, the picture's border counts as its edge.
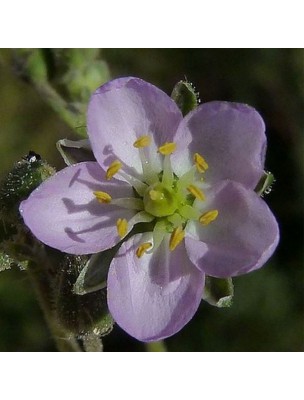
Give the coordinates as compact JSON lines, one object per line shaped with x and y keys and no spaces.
{"x":188,"y":181}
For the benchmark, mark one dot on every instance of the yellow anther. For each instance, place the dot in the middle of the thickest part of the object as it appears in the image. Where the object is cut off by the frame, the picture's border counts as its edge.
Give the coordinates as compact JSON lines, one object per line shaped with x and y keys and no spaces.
{"x":122,"y":227}
{"x":167,"y":148}
{"x":176,"y":237}
{"x":156,"y":195}
{"x":200,"y":163}
{"x":142,"y":141}
{"x":208,"y":217}
{"x":143,"y":248}
{"x":113,"y":169}
{"x":197,"y":193}
{"x":102,"y":197}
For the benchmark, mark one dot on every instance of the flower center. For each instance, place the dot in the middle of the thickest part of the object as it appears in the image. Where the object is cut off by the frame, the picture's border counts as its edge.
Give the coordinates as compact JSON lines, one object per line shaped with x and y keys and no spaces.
{"x":160,"y":200}
{"x":167,"y":200}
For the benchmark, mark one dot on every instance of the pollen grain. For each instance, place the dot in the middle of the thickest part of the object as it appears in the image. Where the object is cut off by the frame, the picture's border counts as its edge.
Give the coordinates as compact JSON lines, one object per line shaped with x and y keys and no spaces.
{"x":208,"y":217}
{"x":200,"y":163}
{"x":102,"y":197}
{"x":143,"y":248}
{"x":167,"y":148}
{"x":176,"y":237}
{"x":142,"y":141}
{"x":122,"y":227}
{"x":196,"y":192}
{"x":113,"y":169}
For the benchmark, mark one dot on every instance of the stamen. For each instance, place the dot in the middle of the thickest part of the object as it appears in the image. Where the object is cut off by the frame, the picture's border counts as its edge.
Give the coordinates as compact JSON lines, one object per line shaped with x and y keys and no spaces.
{"x":200,"y":163}
{"x":167,"y":148}
{"x":113,"y":169}
{"x":176,"y":237}
{"x":102,"y":197}
{"x":196,"y":192}
{"x":141,"y":250}
{"x":138,"y":185}
{"x":208,"y":217}
{"x":159,"y":232}
{"x":141,"y":216}
{"x":148,"y":171}
{"x":122,"y":227}
{"x":142,"y":141}
{"x":167,"y":172}
{"x":175,"y":219}
{"x":186,"y":179}
{"x":189,"y":212}
{"x":131,"y":203}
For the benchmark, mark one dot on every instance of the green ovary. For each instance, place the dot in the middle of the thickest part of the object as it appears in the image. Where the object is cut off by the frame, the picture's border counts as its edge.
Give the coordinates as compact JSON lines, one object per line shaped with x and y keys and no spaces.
{"x":160,"y":200}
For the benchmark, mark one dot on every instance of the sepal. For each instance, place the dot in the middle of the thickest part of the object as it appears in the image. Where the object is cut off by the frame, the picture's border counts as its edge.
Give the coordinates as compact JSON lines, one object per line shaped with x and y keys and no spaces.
{"x":218,"y":292}
{"x":265,"y":183}
{"x":94,"y":275}
{"x":75,"y":151}
{"x":185,"y":96}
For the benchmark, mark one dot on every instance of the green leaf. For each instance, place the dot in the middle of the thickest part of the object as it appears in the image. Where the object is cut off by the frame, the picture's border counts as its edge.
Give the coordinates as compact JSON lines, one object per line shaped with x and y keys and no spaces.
{"x":185,"y":96}
{"x":218,"y":292}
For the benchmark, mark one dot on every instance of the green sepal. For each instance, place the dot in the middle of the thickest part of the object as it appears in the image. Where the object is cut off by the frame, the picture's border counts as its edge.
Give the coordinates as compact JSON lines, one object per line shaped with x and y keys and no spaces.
{"x":80,"y":315}
{"x":94,"y":275}
{"x":75,"y":151}
{"x":26,"y":176}
{"x":218,"y":292}
{"x":265,"y":183}
{"x":185,"y":96}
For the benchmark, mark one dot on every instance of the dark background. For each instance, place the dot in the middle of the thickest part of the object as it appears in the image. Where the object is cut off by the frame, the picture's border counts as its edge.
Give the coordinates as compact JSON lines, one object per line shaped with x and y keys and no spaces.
{"x":267,"y":312}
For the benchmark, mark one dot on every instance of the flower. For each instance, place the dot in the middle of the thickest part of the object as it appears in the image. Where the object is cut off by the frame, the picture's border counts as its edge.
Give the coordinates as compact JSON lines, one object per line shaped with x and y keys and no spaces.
{"x":189,"y":182}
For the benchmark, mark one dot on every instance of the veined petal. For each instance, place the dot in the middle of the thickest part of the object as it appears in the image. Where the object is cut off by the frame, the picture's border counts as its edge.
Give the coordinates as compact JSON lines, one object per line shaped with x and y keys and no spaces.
{"x":123,"y":110}
{"x":230,"y":137}
{"x":154,"y":296}
{"x":240,"y":239}
{"x":64,"y":213}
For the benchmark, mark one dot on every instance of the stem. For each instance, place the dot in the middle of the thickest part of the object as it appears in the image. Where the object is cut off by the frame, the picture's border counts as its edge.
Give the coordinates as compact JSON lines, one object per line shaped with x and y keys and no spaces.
{"x":156,"y":346}
{"x":39,"y":278}
{"x":59,"y":105}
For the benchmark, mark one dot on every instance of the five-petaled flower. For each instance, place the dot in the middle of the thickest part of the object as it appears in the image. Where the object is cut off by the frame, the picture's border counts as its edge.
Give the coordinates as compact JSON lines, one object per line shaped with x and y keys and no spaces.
{"x":189,"y":181}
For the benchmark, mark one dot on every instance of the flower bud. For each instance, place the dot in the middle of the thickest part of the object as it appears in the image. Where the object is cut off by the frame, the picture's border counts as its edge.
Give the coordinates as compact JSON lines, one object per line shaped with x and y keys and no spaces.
{"x":26,"y":175}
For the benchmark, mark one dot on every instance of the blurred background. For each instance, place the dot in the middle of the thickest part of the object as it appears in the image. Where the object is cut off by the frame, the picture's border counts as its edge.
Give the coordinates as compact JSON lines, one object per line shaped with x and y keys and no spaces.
{"x":267,"y":311}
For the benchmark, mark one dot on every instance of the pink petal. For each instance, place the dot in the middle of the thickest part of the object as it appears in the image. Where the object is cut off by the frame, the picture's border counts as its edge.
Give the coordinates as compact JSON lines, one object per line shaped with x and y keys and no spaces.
{"x":241,"y":239}
{"x":64,"y":213}
{"x":121,"y":111}
{"x":154,"y":296}
{"x":230,"y":136}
